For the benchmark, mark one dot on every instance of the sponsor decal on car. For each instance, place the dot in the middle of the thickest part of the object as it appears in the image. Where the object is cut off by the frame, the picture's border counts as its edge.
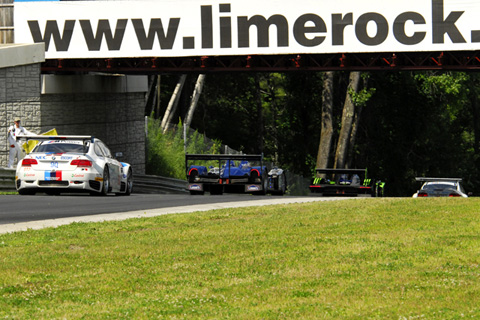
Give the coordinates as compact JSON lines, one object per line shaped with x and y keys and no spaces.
{"x":29,"y":174}
{"x":78,"y":175}
{"x":195,"y":187}
{"x":253,"y":187}
{"x":53,"y":175}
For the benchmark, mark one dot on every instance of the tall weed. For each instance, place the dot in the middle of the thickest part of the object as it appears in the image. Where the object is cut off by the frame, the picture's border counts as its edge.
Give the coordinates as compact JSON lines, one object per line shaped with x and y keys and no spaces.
{"x":166,"y":152}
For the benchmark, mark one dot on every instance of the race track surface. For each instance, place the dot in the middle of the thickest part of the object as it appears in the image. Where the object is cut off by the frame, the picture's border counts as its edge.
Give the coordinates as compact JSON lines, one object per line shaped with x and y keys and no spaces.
{"x":34,"y":212}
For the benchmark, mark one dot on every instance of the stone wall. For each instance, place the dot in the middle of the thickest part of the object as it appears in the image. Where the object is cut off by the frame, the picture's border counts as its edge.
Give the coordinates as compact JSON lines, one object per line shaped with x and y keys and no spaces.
{"x":115,"y":115}
{"x":115,"y":118}
{"x":19,"y":97}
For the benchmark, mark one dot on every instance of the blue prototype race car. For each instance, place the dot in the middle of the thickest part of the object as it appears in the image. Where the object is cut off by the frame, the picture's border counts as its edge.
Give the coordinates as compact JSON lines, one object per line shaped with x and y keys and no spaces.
{"x":232,"y":173}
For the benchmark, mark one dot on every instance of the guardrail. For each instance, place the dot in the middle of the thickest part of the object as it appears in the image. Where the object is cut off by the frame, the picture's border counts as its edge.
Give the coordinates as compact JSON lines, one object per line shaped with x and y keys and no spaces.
{"x":7,"y":180}
{"x":141,"y":183}
{"x":155,"y":184}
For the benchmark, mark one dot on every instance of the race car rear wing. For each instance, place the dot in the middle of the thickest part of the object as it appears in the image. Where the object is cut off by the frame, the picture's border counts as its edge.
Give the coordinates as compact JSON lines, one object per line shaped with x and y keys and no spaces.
{"x":424,"y":179}
{"x":220,"y":157}
{"x":341,"y":171}
{"x":44,"y":137}
{"x":35,"y":138}
{"x":250,"y":157}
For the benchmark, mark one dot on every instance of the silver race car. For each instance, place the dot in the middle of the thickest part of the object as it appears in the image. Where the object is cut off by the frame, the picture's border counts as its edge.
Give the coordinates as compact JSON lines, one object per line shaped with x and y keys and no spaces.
{"x":440,"y":187}
{"x":72,"y":164}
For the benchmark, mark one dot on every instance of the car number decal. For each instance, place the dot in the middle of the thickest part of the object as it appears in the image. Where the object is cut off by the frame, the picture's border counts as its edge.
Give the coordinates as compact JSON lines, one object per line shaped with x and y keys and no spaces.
{"x":53,"y":175}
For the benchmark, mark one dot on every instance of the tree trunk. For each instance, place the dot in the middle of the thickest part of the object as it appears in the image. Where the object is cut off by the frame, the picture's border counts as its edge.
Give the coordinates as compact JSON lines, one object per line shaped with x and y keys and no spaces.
{"x":356,"y":121}
{"x":157,"y":105}
{"x":476,"y":116}
{"x":326,"y":132}
{"x":260,"y":123}
{"x":172,"y":105}
{"x":347,"y":121}
{"x":193,"y":105}
{"x":150,"y":97}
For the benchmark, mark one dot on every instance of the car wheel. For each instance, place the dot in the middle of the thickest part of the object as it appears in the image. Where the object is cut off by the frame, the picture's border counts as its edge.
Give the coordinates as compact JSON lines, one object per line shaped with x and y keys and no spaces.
{"x":280,"y":185}
{"x":26,"y":192}
{"x":106,"y":182}
{"x":193,"y":175}
{"x":129,"y":185}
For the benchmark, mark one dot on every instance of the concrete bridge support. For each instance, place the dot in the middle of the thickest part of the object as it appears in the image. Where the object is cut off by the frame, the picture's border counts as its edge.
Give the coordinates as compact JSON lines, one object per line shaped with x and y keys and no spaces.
{"x":110,"y":107}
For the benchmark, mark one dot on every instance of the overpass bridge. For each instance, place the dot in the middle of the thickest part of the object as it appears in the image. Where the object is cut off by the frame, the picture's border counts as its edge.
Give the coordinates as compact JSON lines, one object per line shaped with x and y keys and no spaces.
{"x":387,"y":61}
{"x":141,"y":37}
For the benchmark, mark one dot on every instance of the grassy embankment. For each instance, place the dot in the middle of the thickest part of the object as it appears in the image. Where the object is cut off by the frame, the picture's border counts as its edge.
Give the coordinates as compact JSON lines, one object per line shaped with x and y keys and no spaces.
{"x":352,"y":259}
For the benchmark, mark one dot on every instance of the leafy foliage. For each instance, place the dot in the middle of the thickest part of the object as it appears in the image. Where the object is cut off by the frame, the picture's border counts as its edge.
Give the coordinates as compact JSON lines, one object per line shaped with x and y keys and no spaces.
{"x":166,"y":152}
{"x":412,"y":123}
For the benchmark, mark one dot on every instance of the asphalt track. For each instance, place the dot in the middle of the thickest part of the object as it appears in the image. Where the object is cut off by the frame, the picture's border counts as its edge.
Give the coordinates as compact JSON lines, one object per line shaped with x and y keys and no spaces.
{"x":20,"y":213}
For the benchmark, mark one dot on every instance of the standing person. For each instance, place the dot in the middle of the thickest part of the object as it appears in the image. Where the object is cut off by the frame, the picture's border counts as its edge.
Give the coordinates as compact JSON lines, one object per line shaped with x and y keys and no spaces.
{"x":15,"y":148}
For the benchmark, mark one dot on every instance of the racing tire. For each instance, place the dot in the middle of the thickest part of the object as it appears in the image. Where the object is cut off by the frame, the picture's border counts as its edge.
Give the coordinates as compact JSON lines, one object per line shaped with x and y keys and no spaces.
{"x":264,"y":186}
{"x":280,"y":191}
{"x":193,"y":175}
{"x":106,"y":182}
{"x":129,"y":185}
{"x":26,"y":192}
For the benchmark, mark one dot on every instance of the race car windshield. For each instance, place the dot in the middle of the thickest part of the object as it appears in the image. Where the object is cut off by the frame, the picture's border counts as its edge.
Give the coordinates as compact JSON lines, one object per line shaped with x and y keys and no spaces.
{"x":61,"y":148}
{"x":438,"y":186}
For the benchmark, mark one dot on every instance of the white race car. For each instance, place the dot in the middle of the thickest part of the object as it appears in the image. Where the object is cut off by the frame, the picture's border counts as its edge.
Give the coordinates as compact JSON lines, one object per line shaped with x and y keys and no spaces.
{"x":72,"y":164}
{"x":440,"y":187}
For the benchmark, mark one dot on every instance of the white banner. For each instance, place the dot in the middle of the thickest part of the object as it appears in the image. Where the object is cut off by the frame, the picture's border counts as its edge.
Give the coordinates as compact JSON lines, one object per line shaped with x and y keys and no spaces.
{"x":170,"y":28}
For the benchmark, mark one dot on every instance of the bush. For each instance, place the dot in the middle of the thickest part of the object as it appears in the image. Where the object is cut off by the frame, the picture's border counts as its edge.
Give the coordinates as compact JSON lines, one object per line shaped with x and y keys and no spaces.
{"x":166,"y":152}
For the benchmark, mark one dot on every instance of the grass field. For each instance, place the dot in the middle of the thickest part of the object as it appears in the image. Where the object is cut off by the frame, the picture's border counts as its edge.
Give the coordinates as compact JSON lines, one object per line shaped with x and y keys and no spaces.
{"x":351,"y":259}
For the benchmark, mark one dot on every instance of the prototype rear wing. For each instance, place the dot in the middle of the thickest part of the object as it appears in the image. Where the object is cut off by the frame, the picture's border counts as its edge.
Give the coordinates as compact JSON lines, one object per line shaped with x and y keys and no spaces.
{"x":225,"y":157}
{"x":341,"y":171}
{"x":424,"y":179}
{"x":250,"y":157}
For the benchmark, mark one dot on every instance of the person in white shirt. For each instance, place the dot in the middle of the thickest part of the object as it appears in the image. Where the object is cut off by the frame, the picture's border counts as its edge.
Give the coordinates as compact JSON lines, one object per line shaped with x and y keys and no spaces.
{"x":14,"y":145}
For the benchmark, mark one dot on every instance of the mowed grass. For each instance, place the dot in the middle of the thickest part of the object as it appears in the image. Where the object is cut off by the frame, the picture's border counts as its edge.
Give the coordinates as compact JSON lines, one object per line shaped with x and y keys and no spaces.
{"x":350,"y":259}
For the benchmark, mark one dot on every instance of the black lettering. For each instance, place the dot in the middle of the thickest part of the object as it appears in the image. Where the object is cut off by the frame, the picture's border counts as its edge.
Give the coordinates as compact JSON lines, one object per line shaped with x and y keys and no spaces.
{"x":399,"y":28}
{"x":361,"y":29}
{"x":188,"y":43}
{"x":262,"y":25}
{"x":338,"y":26}
{"x":51,"y":30}
{"x":299,"y":30}
{"x":94,"y":42}
{"x":475,"y":36}
{"x":156,"y":28}
{"x":207,"y":27}
{"x":441,"y":26}
{"x":225,"y":28}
